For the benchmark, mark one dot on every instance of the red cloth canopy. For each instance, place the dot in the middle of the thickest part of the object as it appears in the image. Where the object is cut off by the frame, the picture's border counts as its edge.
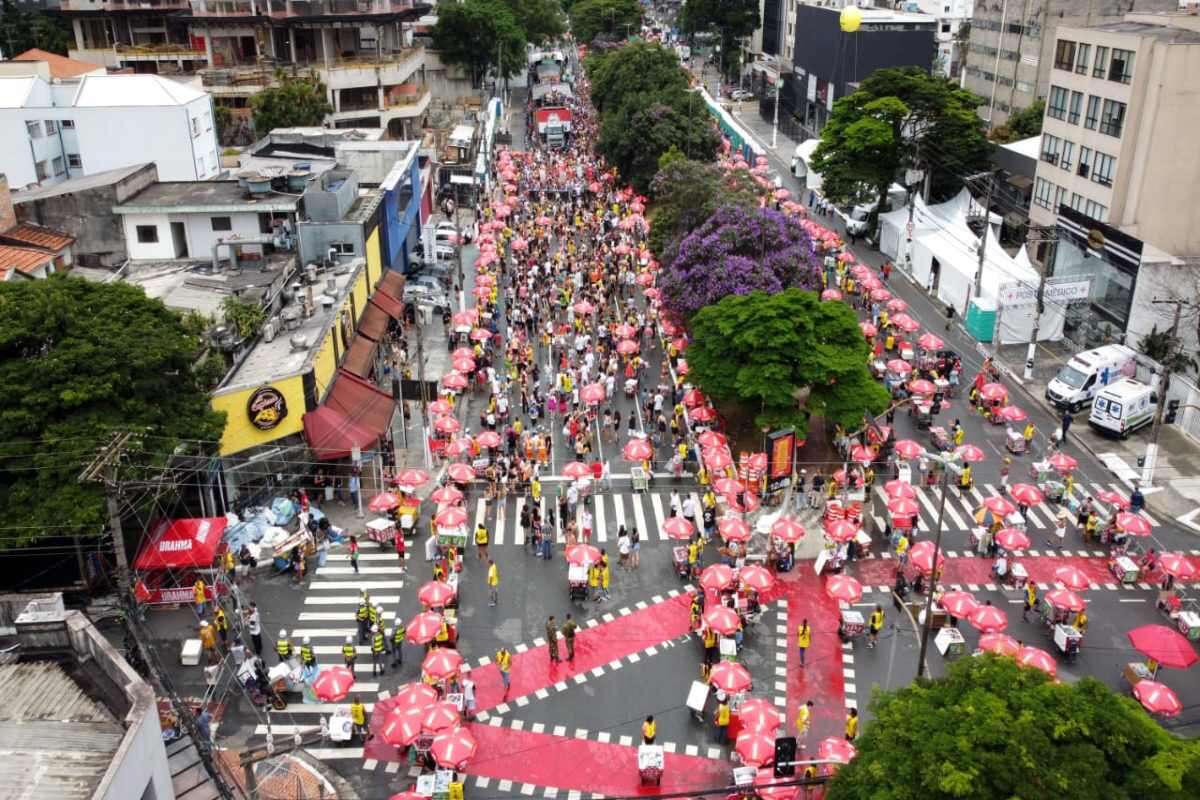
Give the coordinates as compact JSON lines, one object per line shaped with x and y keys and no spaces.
{"x":182,"y":544}
{"x":355,"y":414}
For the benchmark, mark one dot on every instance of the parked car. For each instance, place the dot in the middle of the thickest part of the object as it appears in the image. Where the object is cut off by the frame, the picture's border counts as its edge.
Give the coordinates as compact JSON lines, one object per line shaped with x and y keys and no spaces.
{"x":738,"y":95}
{"x":420,"y":294}
{"x":447,"y":232}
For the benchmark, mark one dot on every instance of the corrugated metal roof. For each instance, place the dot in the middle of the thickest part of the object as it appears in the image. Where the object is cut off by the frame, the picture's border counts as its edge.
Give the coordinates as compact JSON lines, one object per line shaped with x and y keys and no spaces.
{"x":37,"y":236}
{"x":56,"y":743}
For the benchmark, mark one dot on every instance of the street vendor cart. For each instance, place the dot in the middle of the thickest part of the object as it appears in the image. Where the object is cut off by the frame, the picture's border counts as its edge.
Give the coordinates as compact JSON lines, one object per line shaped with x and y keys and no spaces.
{"x":650,"y":763}
{"x":1068,"y":640}
{"x":577,"y":583}
{"x":1014,"y":442}
{"x":1124,"y":569}
{"x":381,"y":530}
{"x":850,"y":625}
{"x":341,"y":725}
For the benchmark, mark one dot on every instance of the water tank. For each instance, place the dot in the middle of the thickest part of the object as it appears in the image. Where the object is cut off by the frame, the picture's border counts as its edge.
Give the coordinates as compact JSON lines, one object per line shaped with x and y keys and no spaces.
{"x":298,"y":342}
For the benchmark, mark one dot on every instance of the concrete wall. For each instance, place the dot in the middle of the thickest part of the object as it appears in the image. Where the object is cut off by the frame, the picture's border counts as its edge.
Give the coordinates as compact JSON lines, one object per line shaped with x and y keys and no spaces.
{"x":198,"y":232}
{"x":315,"y":238}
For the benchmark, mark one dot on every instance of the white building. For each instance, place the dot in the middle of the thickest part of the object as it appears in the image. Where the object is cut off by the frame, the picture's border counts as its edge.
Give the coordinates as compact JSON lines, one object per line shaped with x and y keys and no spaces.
{"x":66,"y":129}
{"x":951,"y":14}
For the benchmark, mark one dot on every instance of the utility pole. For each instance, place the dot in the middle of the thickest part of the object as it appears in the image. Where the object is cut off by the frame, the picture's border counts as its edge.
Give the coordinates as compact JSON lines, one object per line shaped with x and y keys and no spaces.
{"x":987,"y":221}
{"x":103,"y":469}
{"x":1164,"y":382}
{"x":927,"y":625}
{"x":1049,"y":235}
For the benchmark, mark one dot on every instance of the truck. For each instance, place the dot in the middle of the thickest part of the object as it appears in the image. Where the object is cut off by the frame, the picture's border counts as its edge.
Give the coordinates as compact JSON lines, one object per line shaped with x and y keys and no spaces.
{"x":553,"y":125}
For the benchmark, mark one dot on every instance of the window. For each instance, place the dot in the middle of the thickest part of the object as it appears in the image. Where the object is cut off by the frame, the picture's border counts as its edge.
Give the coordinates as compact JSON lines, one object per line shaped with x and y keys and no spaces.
{"x":51,"y":127}
{"x":1085,"y":161}
{"x":222,"y":223}
{"x":1120,"y":69}
{"x":1103,"y":169}
{"x":1075,"y":107}
{"x":1101,"y":62}
{"x":1060,"y":196}
{"x":1095,"y":211}
{"x":1050,"y":148}
{"x":1081,"y":58}
{"x":1025,"y":86}
{"x":945,"y":27}
{"x":59,"y":165}
{"x":74,"y":161}
{"x":1042,"y":191}
{"x":1067,"y":155}
{"x":34,"y":128}
{"x":1093,"y":113}
{"x":67,"y":124}
{"x":1112,"y":118}
{"x":1064,"y":55}
{"x":147,"y":234}
{"x":1056,"y":105}
{"x":207,"y":121}
{"x":43,"y":170}
{"x":1077,"y":201}
{"x":342,"y":248}
{"x":195,"y":126}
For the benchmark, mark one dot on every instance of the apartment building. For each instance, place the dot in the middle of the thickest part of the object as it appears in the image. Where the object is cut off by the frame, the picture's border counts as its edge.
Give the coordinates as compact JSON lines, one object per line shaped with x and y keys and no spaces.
{"x":362,"y":50}
{"x":1011,"y":49}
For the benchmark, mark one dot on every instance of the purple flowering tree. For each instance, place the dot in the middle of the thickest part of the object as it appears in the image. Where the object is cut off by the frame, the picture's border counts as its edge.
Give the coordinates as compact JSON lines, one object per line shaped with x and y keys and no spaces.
{"x":738,"y":251}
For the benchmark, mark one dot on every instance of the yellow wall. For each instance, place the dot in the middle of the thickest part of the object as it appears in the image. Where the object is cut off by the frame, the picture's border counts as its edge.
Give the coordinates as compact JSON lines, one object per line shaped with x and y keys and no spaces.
{"x":361,"y":292}
{"x":240,"y":434}
{"x":325,"y":364}
{"x":374,"y":258}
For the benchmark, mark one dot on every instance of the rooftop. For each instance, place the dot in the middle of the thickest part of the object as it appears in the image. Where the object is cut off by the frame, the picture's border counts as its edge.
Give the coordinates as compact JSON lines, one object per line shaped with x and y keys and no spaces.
{"x":37,"y":237}
{"x":1030,"y":148}
{"x":1164,"y":30}
{"x":61,"y":67}
{"x":193,"y":286}
{"x":115,"y":91}
{"x":58,"y":742}
{"x":22,"y":259}
{"x":71,"y":185}
{"x":204,"y":197}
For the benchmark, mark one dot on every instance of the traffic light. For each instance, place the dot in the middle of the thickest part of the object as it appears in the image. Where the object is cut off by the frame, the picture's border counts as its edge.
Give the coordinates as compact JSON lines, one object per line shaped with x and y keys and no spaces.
{"x":1172,"y":409}
{"x":785,"y":754}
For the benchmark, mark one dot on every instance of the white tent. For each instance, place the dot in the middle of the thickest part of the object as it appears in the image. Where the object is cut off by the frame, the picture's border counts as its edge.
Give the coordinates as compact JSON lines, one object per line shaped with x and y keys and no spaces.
{"x":893,"y":226}
{"x":802,"y":164}
{"x":1017,"y":282}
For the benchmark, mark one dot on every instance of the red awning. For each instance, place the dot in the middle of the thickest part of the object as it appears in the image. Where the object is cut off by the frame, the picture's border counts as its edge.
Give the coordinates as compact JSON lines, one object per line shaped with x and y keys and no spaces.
{"x":360,"y":355}
{"x":391,"y":283}
{"x":393,"y":307}
{"x":182,"y":543}
{"x":374,"y":322}
{"x":356,"y":414}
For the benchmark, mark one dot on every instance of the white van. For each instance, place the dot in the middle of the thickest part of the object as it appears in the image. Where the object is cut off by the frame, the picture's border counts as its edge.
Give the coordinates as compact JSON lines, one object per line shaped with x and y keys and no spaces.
{"x":1077,"y":383}
{"x":1123,"y":407}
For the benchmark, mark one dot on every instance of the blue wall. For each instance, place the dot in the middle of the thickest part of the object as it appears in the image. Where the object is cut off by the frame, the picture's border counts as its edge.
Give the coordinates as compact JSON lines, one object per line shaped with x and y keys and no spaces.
{"x":401,"y":206}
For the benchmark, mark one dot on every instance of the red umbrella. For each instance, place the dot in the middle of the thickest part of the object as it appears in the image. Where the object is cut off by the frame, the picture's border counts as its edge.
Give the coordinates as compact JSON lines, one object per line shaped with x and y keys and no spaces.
{"x":903,"y":506}
{"x":447,"y":424}
{"x":693,"y":398}
{"x":488,"y":439}
{"x":384,"y":501}
{"x":454,"y":748}
{"x":787,"y":529}
{"x":703,"y":414}
{"x":440,"y":716}
{"x":1133,"y":524}
{"x":1000,"y":506}
{"x":1063,"y":462}
{"x":1065,"y":598}
{"x":768,"y":787}
{"x":1165,"y":645}
{"x":593,"y":393}
{"x":402,"y":726}
{"x":1012,"y":414}
{"x":463,"y":365}
{"x":842,"y":530}
{"x":838,"y":750}
{"x":451,"y":517}
{"x":638,"y":450}
{"x":1113,"y":498}
{"x":993,"y":392}
{"x":755,"y":577}
{"x":921,"y":556}
{"x":333,"y":684}
{"x":711,"y":439}
{"x":1157,"y":698}
{"x":867,"y":329}
{"x":906,"y":323}
{"x":831,"y":294}
{"x":959,"y":604}
{"x":969,"y":453}
{"x":930,"y":342}
{"x":755,"y":748}
{"x":415,"y":695}
{"x":717,"y":459}
{"x":1038,"y":659}
{"x":461,"y":473}
{"x":897,"y":306}
{"x":988,"y":619}
{"x":758,"y":714}
{"x":723,"y":620}
{"x":999,"y":643}
{"x":716,"y":577}
{"x":408,"y":796}
{"x":733,"y":529}
{"x":435,"y":594}
{"x":446,"y":495}
{"x":1072,"y":577}
{"x":1177,"y":566}
{"x":424,"y":627}
{"x":411,"y":477}
{"x":468,"y":317}
{"x":482,"y":292}
{"x":441,"y":407}
{"x":897,"y":488}
{"x":480,"y":335}
{"x":457,"y":447}
{"x":628,"y":347}
{"x":583,"y":554}
{"x":442,"y":663}
{"x":908,"y":449}
{"x":862,"y":454}
{"x":1026,"y":494}
{"x":1012,"y":539}
{"x":899,"y":366}
{"x":730,"y":677}
{"x":583,"y":307}
{"x":922,"y":387}
{"x":678,"y":528}
{"x":844,"y":588}
{"x":625,"y":330}
{"x":727,"y":485}
{"x":576,"y":470}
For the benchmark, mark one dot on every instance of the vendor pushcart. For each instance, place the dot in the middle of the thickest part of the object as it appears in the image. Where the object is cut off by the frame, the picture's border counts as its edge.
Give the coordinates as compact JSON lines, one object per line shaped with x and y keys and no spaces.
{"x":651,"y":760}
{"x":175,"y":555}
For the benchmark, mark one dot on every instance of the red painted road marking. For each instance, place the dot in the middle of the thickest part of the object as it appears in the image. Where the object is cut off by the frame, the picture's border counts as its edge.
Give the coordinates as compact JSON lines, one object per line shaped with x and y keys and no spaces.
{"x":821,"y":680}
{"x":877,"y":572}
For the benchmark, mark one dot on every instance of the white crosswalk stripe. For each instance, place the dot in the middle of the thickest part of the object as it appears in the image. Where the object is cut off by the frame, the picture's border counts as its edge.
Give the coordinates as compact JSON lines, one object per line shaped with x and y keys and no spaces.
{"x":639,"y":520}
{"x":601,"y":525}
{"x":519,"y":532}
{"x":498,"y":531}
{"x":656,"y":504}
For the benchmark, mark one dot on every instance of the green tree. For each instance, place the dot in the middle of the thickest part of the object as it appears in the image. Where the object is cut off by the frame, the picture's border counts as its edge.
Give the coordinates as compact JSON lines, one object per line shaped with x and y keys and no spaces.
{"x":991,"y":729}
{"x":542,"y":20}
{"x":634,"y":136}
{"x":22,"y":30}
{"x":938,"y":121}
{"x":787,"y":355}
{"x":474,"y":33}
{"x":295,"y":101}
{"x":1168,"y":350}
{"x":1021,"y":125}
{"x":81,"y":360}
{"x":687,"y":192}
{"x":734,"y":19}
{"x":634,"y":69}
{"x":589,"y":18}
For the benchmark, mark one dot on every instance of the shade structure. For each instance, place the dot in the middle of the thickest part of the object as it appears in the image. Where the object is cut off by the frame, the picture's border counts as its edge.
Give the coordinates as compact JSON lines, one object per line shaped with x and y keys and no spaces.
{"x":453,"y":749}
{"x":755,"y":748}
{"x":831,"y":294}
{"x":446,"y":495}
{"x":862,"y":454}
{"x":711,"y":439}
{"x":756,"y":577}
{"x":906,"y":323}
{"x":488,"y":439}
{"x":182,"y":544}
{"x":716,"y":577}
{"x":838,"y":750}
{"x":1072,"y":577}
{"x":842,"y":530}
{"x":993,"y":392}
{"x":440,"y":717}
{"x":787,"y":529}
{"x":733,"y":529}
{"x":727,"y":485}
{"x":867,"y":329}
{"x":480,"y":335}
{"x":459,"y":446}
{"x":959,"y":604}
{"x":454,"y":380}
{"x":440,"y":407}
{"x":1065,"y":599}
{"x":1000,"y":506}
{"x":970,"y":453}
{"x":908,"y":449}
{"x":1012,"y":539}
{"x":897,"y":306}
{"x":333,"y":684}
{"x":898,"y":488}
{"x":384,"y":501}
{"x":1112,"y":498}
{"x":461,"y":473}
{"x":722,"y":619}
{"x":730,"y":677}
{"x":638,"y":450}
{"x":628,"y":347}
{"x":899,"y":366}
{"x":759,"y":714}
{"x":928,"y":341}
{"x":1026,"y":494}
{"x":415,"y":695}
{"x":999,"y":643}
{"x":1165,"y":645}
{"x":463,"y":365}
{"x":593,"y":393}
{"x":625,"y":330}
{"x":1038,"y":659}
{"x":920,"y":555}
{"x":1012,"y":414}
{"x":584,"y":308}
{"x":988,"y":619}
{"x":703,"y":414}
{"x":447,"y":424}
{"x":679,"y":528}
{"x":1177,"y":566}
{"x":694,"y":398}
{"x":435,"y":594}
{"x":844,"y":588}
{"x":1157,"y":698}
{"x":402,"y":726}
{"x":921,"y":387}
{"x":576,"y":470}
{"x":411,"y":478}
{"x":583,"y":554}
{"x":1133,"y":524}
{"x":451,"y":517}
{"x":1063,"y":462}
{"x":424,"y":627}
{"x":903,"y":506}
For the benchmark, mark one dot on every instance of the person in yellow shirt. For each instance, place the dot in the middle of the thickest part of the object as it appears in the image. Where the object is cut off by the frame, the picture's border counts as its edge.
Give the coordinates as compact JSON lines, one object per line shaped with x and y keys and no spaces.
{"x":852,"y":725}
{"x":605,"y":579}
{"x":504,"y":664}
{"x":874,"y":625}
{"x":649,"y":730}
{"x":594,"y":581}
{"x":208,"y":640}
{"x":230,"y":566}
{"x":199,"y":596}
{"x":804,"y":720}
{"x":721,"y":718}
{"x":221,"y":623}
{"x":535,"y":490}
{"x":803,"y":639}
{"x":1080,"y":623}
{"x":481,"y":542}
{"x":1030,"y":600}
{"x":358,"y":719}
{"x":493,"y":582}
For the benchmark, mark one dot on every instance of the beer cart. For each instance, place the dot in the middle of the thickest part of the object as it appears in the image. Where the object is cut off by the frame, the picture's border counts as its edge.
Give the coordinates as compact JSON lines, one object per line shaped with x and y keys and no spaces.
{"x":650,"y":763}
{"x":850,"y":625}
{"x":939,"y":437}
{"x":1014,"y":442}
{"x":577,"y":583}
{"x":1068,"y":640}
{"x":381,"y":530}
{"x":341,"y":725}
{"x":1124,"y":569}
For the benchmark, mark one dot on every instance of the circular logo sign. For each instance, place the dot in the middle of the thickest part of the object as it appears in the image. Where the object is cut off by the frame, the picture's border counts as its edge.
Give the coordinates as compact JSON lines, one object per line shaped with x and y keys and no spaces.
{"x":266,"y":408}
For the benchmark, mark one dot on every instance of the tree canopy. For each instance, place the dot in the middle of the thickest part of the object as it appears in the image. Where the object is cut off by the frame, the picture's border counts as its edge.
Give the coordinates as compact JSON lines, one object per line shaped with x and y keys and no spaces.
{"x":79,"y":361}
{"x":22,"y":30}
{"x":687,"y":192}
{"x":542,"y":20}
{"x":991,"y":729}
{"x":734,"y":19}
{"x":474,"y":33}
{"x":926,"y":115}
{"x":297,"y":101}
{"x":1021,"y":124}
{"x":786,"y":355}
{"x":634,"y":69}
{"x":589,"y":18}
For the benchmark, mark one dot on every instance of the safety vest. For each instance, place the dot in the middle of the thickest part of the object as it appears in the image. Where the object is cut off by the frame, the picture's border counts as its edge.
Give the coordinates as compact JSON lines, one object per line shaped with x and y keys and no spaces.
{"x":377,"y":643}
{"x":358,"y":714}
{"x":649,"y":729}
{"x":306,"y":655}
{"x":349,"y":652}
{"x":220,"y":620}
{"x":876,"y":620}
{"x":363,"y":613}
{"x":398,"y":636}
{"x":284,"y":648}
{"x":503,"y":660}
{"x":723,"y":715}
{"x":481,"y":535}
{"x":373,"y":615}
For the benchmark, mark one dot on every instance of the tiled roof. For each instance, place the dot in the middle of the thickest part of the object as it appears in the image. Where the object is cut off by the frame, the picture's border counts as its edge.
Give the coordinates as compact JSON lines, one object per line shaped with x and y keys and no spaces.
{"x":60,"y":66}
{"x":38,"y":237}
{"x":23,"y":259}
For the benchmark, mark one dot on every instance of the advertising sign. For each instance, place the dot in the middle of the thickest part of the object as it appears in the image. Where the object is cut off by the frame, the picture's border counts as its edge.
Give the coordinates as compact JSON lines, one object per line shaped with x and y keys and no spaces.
{"x":781,"y":454}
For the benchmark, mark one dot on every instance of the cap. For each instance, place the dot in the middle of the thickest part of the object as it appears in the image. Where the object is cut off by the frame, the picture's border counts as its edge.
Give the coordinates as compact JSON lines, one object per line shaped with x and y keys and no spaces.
{"x":282,"y":633}
{"x":721,"y":697}
{"x":349,"y":640}
{"x":203,"y":623}
{"x":307,"y":640}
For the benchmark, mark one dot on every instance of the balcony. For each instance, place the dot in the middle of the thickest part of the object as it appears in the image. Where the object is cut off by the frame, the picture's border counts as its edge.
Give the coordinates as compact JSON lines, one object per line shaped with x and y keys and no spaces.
{"x":170,"y":51}
{"x":236,"y":80}
{"x":287,"y":9}
{"x":346,"y":72}
{"x":126,"y":6}
{"x":397,"y":106}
